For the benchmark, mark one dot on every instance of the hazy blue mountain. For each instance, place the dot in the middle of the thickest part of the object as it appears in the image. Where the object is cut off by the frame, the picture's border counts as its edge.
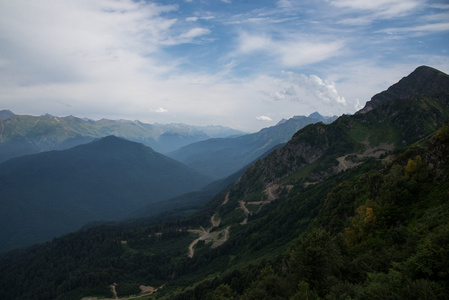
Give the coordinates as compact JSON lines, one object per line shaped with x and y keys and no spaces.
{"x":221,"y":157}
{"x":5,"y":114}
{"x":31,"y":134}
{"x":47,"y":194}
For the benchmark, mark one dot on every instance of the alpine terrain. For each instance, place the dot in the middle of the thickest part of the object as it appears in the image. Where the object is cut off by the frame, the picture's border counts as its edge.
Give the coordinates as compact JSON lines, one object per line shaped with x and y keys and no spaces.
{"x":354,"y":209}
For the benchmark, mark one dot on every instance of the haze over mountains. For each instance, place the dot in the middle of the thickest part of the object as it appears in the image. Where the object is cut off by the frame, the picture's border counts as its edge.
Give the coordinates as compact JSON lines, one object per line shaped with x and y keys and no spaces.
{"x":51,"y":193}
{"x":222,"y":157}
{"x":60,"y":191}
{"x":22,"y":134}
{"x":352,"y":209}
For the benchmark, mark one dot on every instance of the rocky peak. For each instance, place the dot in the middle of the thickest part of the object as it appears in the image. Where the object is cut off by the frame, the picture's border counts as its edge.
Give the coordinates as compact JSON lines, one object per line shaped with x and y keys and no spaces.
{"x":424,"y":81}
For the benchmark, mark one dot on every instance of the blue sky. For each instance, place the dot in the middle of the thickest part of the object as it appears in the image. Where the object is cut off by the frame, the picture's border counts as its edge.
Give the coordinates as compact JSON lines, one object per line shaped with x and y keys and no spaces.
{"x":245,"y":64}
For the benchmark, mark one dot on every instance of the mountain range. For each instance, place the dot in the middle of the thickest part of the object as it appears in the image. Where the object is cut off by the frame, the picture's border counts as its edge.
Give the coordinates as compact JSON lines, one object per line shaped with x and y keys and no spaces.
{"x":221,"y":157}
{"x":52,"y":193}
{"x":354,"y":209}
{"x":23,"y":134}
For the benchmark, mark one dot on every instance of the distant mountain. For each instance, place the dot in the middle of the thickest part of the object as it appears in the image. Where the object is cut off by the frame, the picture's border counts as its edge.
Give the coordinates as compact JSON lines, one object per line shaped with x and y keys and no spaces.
{"x":48,"y":194}
{"x":221,"y":157}
{"x":355,"y":209}
{"x":5,"y":114}
{"x":22,"y":134}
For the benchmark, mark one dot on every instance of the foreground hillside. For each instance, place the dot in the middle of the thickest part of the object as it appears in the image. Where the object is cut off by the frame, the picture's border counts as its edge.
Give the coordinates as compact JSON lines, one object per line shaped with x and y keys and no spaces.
{"x":356,"y":209}
{"x":56,"y":192}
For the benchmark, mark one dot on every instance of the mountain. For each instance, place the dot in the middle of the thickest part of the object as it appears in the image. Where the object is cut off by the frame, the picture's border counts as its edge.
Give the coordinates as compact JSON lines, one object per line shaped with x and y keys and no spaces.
{"x":355,"y":209}
{"x":48,"y":194}
{"x":22,"y":134}
{"x":423,"y":81}
{"x":5,"y":114}
{"x":221,"y":157}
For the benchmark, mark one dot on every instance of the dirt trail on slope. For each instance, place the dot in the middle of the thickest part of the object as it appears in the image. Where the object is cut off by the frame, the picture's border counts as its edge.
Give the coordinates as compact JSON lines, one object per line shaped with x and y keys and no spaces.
{"x":243,"y":207}
{"x":343,"y":163}
{"x":226,"y":200}
{"x":145,"y":291}
{"x":217,"y":237}
{"x":114,"y":292}
{"x":376,"y":152}
{"x":271,"y":196}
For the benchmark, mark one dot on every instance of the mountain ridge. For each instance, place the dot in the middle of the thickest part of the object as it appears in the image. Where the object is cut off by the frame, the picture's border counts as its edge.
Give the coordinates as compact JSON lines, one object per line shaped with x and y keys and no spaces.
{"x":23,"y":134}
{"x":221,"y":157}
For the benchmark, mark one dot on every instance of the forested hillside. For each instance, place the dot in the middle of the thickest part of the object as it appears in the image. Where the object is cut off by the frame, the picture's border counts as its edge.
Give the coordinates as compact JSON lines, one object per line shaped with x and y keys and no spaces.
{"x":380,"y":235}
{"x":356,"y":209}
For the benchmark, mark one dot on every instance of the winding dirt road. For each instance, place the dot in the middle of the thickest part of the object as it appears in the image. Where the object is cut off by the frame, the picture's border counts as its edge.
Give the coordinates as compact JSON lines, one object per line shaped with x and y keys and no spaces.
{"x":206,"y":235}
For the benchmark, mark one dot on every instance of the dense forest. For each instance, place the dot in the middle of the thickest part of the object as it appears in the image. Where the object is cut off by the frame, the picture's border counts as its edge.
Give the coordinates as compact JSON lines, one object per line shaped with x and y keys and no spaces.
{"x":382,"y":235}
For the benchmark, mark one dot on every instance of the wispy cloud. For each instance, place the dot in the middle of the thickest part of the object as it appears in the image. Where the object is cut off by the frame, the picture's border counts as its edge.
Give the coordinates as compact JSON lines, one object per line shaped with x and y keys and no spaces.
{"x":420,"y":29}
{"x":382,"y":9}
{"x":288,"y":52}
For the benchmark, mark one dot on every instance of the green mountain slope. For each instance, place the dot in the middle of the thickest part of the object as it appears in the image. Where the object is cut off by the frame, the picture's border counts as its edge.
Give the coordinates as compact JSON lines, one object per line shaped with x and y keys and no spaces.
{"x":222,"y":157}
{"x":356,"y":209}
{"x":51,"y":193}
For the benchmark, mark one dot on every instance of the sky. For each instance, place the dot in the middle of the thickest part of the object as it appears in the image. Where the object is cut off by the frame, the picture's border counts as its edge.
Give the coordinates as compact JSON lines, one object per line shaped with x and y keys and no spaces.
{"x":245,"y":64}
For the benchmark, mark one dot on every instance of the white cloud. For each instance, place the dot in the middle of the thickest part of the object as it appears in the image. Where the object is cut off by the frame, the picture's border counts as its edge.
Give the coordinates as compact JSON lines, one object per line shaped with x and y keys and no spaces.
{"x":160,"y":110}
{"x":249,"y":43}
{"x":303,"y":89}
{"x":192,"y":19}
{"x":264,"y":118}
{"x":186,"y":37}
{"x":195,"y":32}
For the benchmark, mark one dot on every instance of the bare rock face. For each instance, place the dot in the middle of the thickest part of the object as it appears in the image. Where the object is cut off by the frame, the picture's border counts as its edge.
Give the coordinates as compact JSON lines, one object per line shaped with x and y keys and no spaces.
{"x":424,"y":81}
